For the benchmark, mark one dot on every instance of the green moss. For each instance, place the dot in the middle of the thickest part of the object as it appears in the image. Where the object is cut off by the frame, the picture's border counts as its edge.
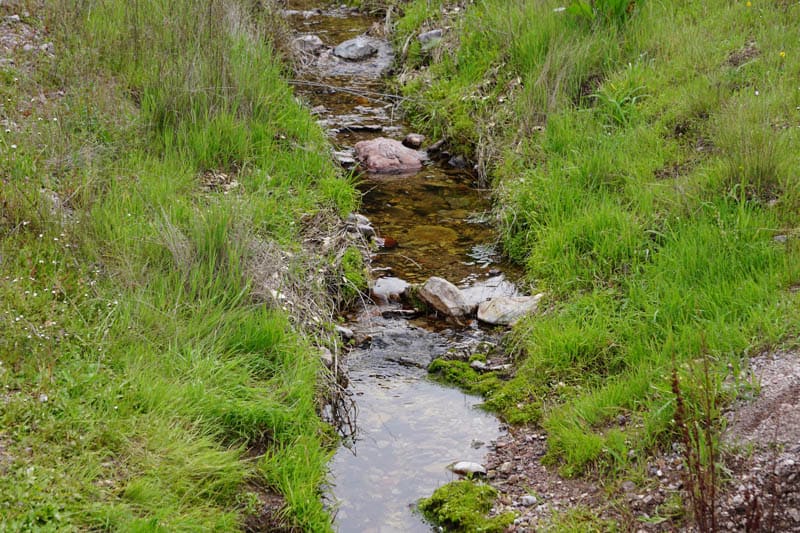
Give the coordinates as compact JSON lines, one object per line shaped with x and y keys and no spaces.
{"x":463,"y":376}
{"x":463,"y":506}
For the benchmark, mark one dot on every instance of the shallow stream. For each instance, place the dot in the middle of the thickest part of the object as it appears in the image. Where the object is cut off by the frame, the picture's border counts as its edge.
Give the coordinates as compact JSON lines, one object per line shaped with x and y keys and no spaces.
{"x":410,"y":429}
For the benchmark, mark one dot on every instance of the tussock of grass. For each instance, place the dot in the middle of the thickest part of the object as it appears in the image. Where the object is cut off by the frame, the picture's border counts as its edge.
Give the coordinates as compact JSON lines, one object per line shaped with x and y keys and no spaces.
{"x":644,"y":167}
{"x":143,"y":385}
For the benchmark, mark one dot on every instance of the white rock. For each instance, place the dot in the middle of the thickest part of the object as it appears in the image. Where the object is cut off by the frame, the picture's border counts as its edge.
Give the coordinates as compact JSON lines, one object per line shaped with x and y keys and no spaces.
{"x":465,"y":468}
{"x":444,"y":297}
{"x":480,"y":366}
{"x":507,"y":310}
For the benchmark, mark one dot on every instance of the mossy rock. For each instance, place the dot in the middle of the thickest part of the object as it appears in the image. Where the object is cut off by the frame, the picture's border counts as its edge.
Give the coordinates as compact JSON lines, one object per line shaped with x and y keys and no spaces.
{"x":464,"y":506}
{"x":460,"y":374}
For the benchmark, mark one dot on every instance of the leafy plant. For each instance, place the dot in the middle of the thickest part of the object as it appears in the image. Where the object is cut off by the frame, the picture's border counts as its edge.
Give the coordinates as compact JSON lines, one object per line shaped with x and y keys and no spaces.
{"x":618,"y":102}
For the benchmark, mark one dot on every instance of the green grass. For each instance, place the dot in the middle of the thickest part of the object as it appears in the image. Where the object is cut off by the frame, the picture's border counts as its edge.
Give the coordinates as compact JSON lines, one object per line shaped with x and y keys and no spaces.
{"x":642,"y":167}
{"x":144,"y":388}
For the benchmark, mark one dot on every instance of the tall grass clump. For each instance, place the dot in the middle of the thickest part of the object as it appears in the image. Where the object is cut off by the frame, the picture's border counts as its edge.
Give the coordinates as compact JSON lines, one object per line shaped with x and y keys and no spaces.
{"x":645,"y":175}
{"x":147,"y":388}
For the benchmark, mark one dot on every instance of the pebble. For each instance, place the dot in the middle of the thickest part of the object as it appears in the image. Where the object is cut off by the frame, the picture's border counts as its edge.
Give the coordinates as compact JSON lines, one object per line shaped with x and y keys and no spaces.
{"x":346,"y":333}
{"x":529,"y":500}
{"x":465,"y":468}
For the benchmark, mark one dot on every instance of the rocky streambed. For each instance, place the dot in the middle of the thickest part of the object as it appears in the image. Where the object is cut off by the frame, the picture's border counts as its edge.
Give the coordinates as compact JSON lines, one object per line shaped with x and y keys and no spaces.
{"x":436,"y":271}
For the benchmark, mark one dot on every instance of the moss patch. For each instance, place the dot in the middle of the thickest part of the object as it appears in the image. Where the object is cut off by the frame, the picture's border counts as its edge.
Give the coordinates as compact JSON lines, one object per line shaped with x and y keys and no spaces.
{"x":463,"y":506}
{"x":463,"y":376}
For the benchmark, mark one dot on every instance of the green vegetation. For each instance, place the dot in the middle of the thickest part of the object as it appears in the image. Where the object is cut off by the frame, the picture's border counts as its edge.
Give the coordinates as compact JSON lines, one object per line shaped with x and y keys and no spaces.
{"x":461,"y":374}
{"x":645,"y":165}
{"x":463,"y":506}
{"x":144,"y":387}
{"x":354,"y":274}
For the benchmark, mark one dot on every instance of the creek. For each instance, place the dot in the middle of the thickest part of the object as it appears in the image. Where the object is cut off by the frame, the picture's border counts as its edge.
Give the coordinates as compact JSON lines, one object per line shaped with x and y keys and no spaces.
{"x":409,"y":428}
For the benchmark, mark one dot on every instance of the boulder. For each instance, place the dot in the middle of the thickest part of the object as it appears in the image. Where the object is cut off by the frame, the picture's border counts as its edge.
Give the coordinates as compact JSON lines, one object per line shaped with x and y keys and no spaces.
{"x":444,"y":297}
{"x":467,"y":468}
{"x":387,"y":156}
{"x":507,"y":310}
{"x":356,"y":49}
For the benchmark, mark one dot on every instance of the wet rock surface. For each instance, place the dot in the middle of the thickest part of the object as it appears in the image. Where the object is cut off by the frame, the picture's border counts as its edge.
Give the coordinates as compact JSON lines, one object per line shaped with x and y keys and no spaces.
{"x":445,"y":297}
{"x":388,"y":156}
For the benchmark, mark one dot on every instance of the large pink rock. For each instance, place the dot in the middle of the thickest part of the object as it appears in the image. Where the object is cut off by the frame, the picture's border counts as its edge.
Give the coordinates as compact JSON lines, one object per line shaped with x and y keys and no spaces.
{"x":387,"y":156}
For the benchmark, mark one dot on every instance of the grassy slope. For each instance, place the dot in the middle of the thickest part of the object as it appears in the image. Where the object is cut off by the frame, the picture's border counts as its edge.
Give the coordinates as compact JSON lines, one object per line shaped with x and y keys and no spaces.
{"x":139,"y":377}
{"x":644,"y":167}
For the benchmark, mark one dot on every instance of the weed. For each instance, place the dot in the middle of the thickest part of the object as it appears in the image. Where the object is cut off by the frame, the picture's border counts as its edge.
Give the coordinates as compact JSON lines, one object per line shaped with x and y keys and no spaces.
{"x":696,"y":424}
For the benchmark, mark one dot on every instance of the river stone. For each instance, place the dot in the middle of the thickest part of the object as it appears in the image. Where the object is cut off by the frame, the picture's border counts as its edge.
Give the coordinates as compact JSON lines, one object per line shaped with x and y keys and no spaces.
{"x":466,"y":468}
{"x":413,"y":140}
{"x":309,"y":44}
{"x":507,"y":310}
{"x":346,"y":333}
{"x":388,"y":156}
{"x":356,"y":49}
{"x":429,"y":36}
{"x":326,"y":356}
{"x":482,"y":291}
{"x":444,"y":297}
{"x":425,"y":235}
{"x":389,"y":289}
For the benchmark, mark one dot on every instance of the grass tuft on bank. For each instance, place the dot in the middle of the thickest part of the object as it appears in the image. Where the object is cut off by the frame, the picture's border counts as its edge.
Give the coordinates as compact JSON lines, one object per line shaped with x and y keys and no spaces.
{"x":143,"y":161}
{"x":645,"y":171}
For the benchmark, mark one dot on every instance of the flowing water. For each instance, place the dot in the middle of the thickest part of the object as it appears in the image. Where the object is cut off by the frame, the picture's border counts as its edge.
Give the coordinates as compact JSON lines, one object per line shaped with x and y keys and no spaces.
{"x":409,"y":428}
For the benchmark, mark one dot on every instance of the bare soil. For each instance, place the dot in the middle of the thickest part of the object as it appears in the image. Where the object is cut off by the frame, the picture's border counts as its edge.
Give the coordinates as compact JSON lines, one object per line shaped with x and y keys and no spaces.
{"x":760,"y":451}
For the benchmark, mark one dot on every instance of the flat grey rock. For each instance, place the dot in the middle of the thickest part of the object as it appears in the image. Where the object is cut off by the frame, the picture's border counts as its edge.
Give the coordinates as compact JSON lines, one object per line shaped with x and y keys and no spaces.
{"x":356,"y":49}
